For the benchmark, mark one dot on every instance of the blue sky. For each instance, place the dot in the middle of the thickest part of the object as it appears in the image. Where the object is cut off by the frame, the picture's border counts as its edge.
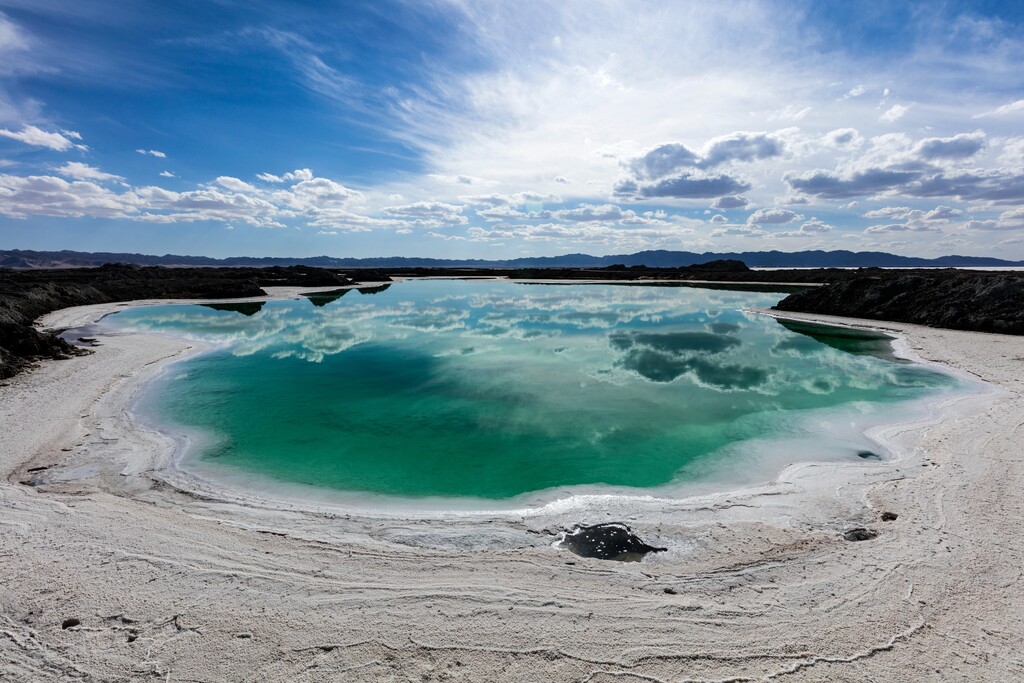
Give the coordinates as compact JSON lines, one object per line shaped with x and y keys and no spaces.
{"x":496,"y":129}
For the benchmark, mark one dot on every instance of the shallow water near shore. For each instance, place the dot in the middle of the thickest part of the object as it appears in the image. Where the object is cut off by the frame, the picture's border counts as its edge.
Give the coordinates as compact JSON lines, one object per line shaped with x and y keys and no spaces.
{"x":493,"y":390}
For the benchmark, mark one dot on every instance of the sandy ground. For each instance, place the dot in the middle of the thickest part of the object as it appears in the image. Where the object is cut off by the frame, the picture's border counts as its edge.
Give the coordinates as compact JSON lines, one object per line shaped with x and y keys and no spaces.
{"x":174,"y":580}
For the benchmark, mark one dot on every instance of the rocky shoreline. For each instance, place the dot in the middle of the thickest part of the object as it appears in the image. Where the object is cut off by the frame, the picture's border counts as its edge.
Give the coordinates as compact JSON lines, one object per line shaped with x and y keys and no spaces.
{"x":952,"y":299}
{"x":949,"y":298}
{"x":27,"y":295}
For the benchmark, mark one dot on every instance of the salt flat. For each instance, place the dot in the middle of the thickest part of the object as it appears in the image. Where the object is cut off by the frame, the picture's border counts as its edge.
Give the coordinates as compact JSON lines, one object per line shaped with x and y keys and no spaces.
{"x":173,"y":580}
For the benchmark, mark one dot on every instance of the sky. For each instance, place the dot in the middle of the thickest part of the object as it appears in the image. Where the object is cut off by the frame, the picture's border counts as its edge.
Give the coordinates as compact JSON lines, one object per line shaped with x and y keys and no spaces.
{"x":458,"y":128}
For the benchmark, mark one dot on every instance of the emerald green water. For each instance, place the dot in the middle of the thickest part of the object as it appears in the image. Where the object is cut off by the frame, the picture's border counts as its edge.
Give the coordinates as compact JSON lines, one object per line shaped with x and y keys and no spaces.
{"x":492,"y":389}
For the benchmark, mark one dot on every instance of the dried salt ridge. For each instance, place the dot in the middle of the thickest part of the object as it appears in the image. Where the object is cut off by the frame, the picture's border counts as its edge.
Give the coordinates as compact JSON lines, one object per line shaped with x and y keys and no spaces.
{"x":608,"y":541}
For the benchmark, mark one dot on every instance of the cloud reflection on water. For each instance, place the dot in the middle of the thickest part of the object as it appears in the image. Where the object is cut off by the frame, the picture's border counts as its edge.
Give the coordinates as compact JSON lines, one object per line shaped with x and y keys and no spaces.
{"x":608,"y":334}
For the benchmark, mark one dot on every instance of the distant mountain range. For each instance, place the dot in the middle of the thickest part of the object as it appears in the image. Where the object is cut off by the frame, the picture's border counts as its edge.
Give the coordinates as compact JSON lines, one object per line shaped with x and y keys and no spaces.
{"x":18,"y":258}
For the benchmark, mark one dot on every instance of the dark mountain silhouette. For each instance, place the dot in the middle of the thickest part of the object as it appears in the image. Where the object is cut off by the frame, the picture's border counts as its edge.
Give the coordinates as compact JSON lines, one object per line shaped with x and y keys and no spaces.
{"x":23,"y":259}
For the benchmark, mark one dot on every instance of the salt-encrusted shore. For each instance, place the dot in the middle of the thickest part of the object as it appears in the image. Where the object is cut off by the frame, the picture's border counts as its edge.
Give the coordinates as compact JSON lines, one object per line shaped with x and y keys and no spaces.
{"x":176,"y":579}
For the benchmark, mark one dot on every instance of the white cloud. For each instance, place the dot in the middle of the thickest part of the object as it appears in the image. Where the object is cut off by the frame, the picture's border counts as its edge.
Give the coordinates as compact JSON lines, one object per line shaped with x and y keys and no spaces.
{"x":152,"y":153}
{"x":319,"y":202}
{"x":52,"y":196}
{"x":80,"y":171}
{"x":428,"y":214}
{"x":601,"y":106}
{"x":1009,"y":108}
{"x":901,"y":227}
{"x":37,"y":137}
{"x":961,"y":146}
{"x":739,"y":231}
{"x":670,"y":158}
{"x":167,"y":174}
{"x":855,"y":91}
{"x":12,"y":38}
{"x":730,"y":202}
{"x":314,"y":194}
{"x":893,"y":113}
{"x":234,"y":184}
{"x":591,"y":212}
{"x":1011,"y":150}
{"x":1008,"y":220}
{"x":812,"y":228}
{"x":843,"y":137}
{"x":773,"y":217}
{"x":815,"y":226}
{"x":905,"y":213}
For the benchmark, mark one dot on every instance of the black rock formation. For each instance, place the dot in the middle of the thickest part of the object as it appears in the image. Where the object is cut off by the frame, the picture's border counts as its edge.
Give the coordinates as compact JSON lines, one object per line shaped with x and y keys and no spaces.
{"x":608,"y":541}
{"x":246,"y":308}
{"x":26,"y":295}
{"x":860,"y":534}
{"x":960,"y":300}
{"x":324,"y":298}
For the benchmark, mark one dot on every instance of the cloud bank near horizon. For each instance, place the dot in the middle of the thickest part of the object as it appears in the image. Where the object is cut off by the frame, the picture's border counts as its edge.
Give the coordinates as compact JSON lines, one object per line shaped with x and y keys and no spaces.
{"x":451,"y":128}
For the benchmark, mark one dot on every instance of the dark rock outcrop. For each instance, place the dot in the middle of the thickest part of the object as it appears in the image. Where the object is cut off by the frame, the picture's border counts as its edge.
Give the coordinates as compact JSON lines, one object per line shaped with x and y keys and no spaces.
{"x":26,"y":295}
{"x":961,"y":300}
{"x":860,"y":534}
{"x":608,"y":541}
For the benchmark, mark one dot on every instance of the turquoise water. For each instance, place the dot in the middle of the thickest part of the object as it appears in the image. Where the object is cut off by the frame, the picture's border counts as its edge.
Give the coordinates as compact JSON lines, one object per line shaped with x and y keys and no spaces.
{"x":492,"y":389}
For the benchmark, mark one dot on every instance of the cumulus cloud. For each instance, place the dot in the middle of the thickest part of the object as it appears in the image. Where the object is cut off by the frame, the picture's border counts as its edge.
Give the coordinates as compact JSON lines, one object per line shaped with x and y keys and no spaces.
{"x":684,"y":186}
{"x":37,"y":137}
{"x":960,"y":146}
{"x":812,"y":228}
{"x":663,"y":160}
{"x":1008,"y":220}
{"x":905,"y":213}
{"x":52,"y":196}
{"x":80,"y":171}
{"x":718,"y":219}
{"x":815,"y":226}
{"x":741,"y":146}
{"x":434,"y":214}
{"x":773,"y":217}
{"x":843,"y":137}
{"x":1011,"y":150}
{"x":671,"y":157}
{"x":152,"y":153}
{"x":999,"y":186}
{"x":235,"y":184}
{"x":167,"y":174}
{"x":673,"y":170}
{"x":297,"y":174}
{"x":516,"y":199}
{"x":730,"y":202}
{"x":830,"y":185}
{"x":315,"y":194}
{"x":319,"y":202}
{"x":591,"y":212}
